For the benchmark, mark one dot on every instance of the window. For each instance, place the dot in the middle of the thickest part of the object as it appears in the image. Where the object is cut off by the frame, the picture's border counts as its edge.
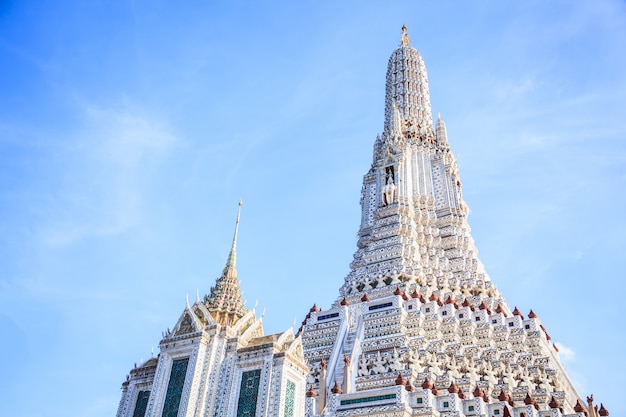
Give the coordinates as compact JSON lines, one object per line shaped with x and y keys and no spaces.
{"x":427,"y":310}
{"x":470,"y":408}
{"x":410,"y":307}
{"x":389,"y":173}
{"x":494,"y":321}
{"x":329,"y":316}
{"x":527,"y":326}
{"x":248,"y":392}
{"x":477,"y":318}
{"x":444,"y":313}
{"x":379,"y":306}
{"x":496,"y":412}
{"x":420,"y":401}
{"x":368,"y":399}
{"x":510,"y":324}
{"x":460,"y":316}
{"x":175,"y":387}
{"x":446,"y":404}
{"x":141,"y":404}
{"x":290,"y":393}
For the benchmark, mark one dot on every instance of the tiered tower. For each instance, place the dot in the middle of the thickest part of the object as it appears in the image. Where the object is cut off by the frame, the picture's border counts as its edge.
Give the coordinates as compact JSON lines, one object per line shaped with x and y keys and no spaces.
{"x":419,"y":328}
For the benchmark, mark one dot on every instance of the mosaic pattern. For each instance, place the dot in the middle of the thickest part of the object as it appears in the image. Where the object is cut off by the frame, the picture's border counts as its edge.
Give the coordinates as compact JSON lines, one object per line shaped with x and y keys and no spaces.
{"x":175,"y":387}
{"x":290,"y":393}
{"x":248,"y":393}
{"x":141,"y":404}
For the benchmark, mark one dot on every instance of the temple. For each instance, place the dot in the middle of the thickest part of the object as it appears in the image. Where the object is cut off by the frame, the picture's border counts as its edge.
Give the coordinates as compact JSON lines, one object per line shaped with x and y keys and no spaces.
{"x":217,"y":362}
{"x":418,"y":328}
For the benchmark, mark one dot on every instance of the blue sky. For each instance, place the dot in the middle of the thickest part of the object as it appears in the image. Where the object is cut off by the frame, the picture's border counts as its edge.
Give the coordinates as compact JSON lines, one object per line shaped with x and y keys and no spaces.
{"x":130,"y":130}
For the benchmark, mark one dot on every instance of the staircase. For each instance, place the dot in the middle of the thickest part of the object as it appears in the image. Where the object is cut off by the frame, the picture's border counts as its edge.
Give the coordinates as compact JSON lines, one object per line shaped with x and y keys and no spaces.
{"x":350,"y":347}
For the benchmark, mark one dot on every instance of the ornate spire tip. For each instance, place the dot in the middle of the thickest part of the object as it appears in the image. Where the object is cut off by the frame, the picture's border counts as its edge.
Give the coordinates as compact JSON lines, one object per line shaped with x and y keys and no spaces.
{"x":405,"y":36}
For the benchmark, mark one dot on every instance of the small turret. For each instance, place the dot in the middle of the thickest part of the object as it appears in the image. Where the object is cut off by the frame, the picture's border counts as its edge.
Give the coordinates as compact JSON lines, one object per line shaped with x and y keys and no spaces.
{"x":442,"y":134}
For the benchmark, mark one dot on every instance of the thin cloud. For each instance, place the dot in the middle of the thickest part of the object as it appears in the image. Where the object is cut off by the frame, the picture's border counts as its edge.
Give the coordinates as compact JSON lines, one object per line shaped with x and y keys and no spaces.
{"x":565,"y":353}
{"x":110,"y":160}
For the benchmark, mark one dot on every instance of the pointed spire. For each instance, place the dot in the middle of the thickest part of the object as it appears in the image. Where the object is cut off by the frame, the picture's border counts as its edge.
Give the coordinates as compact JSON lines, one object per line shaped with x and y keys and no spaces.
{"x":405,"y":37}
{"x":453,"y":389}
{"x":603,"y":411}
{"x":400,"y":380}
{"x":225,"y":302}
{"x":396,"y":122}
{"x":426,"y":384}
{"x":408,"y":386}
{"x":503,"y":396}
{"x":336,"y":389}
{"x":407,"y":87}
{"x":442,"y":134}
{"x":554,"y":403}
{"x":231,"y":263}
{"x":528,"y":400}
{"x":499,"y":309}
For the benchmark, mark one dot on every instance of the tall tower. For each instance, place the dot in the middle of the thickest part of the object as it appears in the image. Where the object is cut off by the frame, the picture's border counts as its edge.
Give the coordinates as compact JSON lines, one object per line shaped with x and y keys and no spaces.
{"x":419,"y":328}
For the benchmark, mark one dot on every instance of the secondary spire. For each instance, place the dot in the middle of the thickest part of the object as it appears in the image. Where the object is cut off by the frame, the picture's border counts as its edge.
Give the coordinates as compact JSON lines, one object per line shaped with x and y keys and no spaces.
{"x":225,"y":303}
{"x":232,"y":256}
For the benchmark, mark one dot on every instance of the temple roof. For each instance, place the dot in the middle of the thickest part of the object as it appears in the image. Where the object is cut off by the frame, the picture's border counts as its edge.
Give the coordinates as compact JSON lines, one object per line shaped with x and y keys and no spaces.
{"x":225,"y":303}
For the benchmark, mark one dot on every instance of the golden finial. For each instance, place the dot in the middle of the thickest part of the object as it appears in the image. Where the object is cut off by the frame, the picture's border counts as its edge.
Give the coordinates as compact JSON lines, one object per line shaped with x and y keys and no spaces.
{"x":405,"y":36}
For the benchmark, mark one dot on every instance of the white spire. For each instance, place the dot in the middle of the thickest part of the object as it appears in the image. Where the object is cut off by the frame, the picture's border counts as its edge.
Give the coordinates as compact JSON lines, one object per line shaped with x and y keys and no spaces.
{"x":442,"y":135}
{"x":407,"y":86}
{"x":232,"y":256}
{"x":396,"y":122}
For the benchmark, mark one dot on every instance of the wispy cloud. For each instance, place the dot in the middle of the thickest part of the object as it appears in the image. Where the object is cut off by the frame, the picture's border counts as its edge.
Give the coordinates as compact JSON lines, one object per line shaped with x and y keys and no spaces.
{"x":566,"y":354}
{"x":110,"y":160}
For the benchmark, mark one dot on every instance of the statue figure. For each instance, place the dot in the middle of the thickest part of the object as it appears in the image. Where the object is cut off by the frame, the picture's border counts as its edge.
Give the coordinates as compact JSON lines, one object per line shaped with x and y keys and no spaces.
{"x":434,"y":366}
{"x":379,"y":364}
{"x":454,"y":369}
{"x":507,"y":375}
{"x":395,"y":364}
{"x":363,"y":366}
{"x":414,"y":363}
{"x":472,"y":372}
{"x":490,"y":374}
{"x":389,"y":190}
{"x":526,"y":380}
{"x":556,"y":383}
